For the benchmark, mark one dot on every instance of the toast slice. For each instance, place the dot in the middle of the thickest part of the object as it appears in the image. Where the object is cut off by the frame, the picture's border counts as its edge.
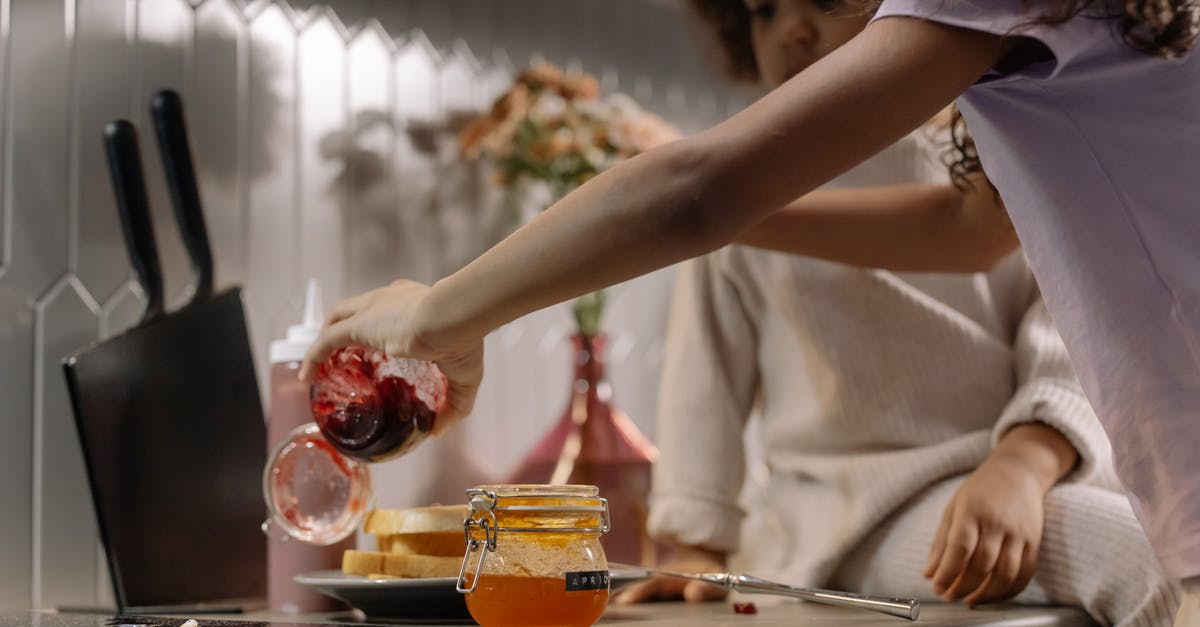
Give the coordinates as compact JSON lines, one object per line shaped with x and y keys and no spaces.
{"x":372,"y":563}
{"x":434,"y":519}
{"x":441,"y":543}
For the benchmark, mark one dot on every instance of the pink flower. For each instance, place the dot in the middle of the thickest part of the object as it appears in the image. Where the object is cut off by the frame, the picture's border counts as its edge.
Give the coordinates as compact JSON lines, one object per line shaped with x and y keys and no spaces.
{"x":637,"y":132}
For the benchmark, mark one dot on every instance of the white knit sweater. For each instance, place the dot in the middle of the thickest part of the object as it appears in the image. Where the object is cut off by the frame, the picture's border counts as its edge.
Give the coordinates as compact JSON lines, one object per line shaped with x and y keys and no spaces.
{"x":872,"y":386}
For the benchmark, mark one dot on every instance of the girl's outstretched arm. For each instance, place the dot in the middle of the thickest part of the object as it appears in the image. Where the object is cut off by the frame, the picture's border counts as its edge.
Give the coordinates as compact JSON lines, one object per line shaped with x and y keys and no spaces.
{"x":680,"y":200}
{"x":694,"y":195}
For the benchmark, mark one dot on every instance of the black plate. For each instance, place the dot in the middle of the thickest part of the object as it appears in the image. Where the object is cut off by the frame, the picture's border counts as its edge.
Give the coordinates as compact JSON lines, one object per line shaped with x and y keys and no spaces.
{"x":411,"y":599}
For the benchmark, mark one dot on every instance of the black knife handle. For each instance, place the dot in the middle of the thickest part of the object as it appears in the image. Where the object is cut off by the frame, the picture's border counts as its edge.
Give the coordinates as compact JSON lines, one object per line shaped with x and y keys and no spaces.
{"x":166,"y":108}
{"x":129,"y":187}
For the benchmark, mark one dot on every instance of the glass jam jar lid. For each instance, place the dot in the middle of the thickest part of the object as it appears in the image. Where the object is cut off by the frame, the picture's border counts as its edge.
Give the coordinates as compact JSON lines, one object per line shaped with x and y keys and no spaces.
{"x":314,"y":494}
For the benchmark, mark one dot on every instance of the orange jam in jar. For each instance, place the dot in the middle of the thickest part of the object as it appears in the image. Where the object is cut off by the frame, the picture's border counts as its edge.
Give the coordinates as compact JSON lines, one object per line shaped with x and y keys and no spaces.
{"x":534,"y":557}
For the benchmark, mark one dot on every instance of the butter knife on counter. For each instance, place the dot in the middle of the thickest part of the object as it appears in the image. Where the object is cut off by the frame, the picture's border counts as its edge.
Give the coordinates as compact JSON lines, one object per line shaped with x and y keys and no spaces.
{"x":902,"y":608}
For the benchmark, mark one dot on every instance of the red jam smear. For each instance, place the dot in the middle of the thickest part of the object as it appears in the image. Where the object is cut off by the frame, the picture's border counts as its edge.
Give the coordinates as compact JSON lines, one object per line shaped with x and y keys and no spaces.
{"x":325,"y":447}
{"x":364,"y":415}
{"x":316,"y":489}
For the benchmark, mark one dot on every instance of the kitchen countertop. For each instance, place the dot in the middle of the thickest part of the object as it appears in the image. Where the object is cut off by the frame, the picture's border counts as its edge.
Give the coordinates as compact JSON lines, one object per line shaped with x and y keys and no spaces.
{"x":789,"y":612}
{"x":771,"y":612}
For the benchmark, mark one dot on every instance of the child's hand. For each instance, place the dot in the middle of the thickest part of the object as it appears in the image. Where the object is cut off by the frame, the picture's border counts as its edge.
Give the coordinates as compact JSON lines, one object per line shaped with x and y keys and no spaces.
{"x":661,"y":588}
{"x":986,"y":545}
{"x":396,"y":320}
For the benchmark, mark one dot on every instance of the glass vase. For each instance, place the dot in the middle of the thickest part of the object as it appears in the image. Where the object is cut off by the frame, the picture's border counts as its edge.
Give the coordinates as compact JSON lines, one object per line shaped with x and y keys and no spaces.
{"x":594,"y":443}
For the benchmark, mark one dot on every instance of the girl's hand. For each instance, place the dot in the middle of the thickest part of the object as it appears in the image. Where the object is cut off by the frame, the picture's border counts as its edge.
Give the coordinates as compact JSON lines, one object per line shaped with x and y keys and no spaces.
{"x":396,"y":320}
{"x":985,"y":548}
{"x":662,"y":588}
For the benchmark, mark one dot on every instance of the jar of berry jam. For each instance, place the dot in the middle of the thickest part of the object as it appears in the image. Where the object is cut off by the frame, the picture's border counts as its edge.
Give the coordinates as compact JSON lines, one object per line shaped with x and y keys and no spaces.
{"x":373,"y":407}
{"x":366,"y":407}
{"x":534,"y":557}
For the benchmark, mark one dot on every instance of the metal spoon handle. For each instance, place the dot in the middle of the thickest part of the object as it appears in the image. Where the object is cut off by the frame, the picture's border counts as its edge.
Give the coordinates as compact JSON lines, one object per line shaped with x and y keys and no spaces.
{"x":902,"y":608}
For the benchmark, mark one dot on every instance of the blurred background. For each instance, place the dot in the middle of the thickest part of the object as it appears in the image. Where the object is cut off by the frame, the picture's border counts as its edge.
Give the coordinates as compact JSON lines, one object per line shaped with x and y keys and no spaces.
{"x":324,"y":140}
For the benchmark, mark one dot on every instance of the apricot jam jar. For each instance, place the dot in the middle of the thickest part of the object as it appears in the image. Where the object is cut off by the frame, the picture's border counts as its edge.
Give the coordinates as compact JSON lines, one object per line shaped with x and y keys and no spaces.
{"x":534,"y":557}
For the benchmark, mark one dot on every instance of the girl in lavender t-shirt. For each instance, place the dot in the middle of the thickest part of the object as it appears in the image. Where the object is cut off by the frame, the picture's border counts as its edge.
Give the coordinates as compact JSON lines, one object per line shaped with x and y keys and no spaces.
{"x":1094,"y":146}
{"x":1086,"y":114}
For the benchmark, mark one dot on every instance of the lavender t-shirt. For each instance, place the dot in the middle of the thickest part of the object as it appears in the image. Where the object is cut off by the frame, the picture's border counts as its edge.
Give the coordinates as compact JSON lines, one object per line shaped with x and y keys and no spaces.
{"x":1097,"y":157}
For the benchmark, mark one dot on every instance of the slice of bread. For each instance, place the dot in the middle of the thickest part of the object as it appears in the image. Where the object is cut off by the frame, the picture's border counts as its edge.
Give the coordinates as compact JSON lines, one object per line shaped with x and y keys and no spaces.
{"x":362,"y":562}
{"x":437,"y":518}
{"x":443,"y":543}
{"x":371,"y":563}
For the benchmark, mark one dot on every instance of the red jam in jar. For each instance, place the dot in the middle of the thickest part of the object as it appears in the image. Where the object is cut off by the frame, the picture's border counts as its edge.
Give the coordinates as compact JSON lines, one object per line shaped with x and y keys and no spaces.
{"x":371,"y":406}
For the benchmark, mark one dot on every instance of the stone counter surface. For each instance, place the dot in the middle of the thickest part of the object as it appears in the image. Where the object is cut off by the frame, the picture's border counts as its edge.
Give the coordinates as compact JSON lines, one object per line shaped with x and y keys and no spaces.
{"x":770,"y":612}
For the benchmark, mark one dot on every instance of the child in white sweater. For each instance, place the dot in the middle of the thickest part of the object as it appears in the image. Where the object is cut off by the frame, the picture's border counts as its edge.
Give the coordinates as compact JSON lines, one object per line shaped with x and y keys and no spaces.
{"x":899,"y":411}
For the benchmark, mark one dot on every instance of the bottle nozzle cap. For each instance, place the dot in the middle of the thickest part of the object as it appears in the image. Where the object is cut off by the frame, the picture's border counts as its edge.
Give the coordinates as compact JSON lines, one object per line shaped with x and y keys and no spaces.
{"x":313,"y":310}
{"x":301,"y":336}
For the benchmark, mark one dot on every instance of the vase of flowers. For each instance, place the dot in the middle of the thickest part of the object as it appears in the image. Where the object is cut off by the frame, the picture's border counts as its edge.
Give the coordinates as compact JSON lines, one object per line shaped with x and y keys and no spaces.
{"x":548,"y":134}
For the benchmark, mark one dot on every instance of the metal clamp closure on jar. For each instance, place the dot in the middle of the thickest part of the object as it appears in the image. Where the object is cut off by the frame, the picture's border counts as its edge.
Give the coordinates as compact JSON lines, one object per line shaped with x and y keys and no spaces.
{"x":482,"y":526}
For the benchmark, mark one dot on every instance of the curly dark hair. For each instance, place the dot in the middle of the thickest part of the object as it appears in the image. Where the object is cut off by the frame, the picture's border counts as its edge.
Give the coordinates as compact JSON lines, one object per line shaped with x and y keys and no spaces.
{"x":1167,"y":28}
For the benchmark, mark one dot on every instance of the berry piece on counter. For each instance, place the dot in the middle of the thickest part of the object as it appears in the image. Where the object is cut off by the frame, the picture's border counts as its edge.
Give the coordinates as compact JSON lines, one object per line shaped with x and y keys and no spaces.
{"x":744,"y":608}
